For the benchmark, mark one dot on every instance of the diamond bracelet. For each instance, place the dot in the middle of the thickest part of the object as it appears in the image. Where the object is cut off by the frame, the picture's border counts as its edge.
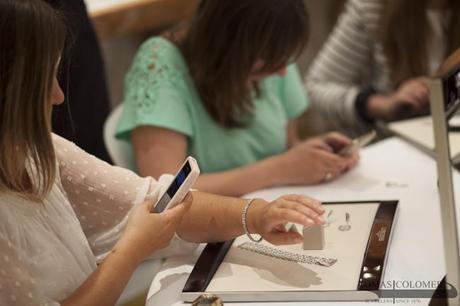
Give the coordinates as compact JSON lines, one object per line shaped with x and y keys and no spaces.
{"x":284,"y":255}
{"x":244,"y":221}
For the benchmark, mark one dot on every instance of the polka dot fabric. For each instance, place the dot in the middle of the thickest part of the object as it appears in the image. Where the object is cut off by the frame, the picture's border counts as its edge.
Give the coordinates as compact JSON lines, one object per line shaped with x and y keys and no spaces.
{"x":48,"y":249}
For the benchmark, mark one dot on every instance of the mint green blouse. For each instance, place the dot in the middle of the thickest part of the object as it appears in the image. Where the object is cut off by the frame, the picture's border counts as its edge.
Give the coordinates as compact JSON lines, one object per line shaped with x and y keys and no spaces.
{"x":159,"y":91}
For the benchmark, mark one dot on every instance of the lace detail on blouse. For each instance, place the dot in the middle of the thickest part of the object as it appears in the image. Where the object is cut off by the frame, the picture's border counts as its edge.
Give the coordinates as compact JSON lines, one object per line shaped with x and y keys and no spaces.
{"x":153,"y":70}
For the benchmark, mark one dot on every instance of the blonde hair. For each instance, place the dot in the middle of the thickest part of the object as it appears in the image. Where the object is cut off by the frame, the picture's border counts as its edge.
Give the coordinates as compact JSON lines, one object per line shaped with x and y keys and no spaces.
{"x":402,"y":32}
{"x":32,"y":37}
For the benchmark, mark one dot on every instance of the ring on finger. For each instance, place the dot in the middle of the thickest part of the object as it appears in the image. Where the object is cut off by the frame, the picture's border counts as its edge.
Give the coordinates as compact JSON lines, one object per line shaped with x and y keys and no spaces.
{"x":329,"y":176}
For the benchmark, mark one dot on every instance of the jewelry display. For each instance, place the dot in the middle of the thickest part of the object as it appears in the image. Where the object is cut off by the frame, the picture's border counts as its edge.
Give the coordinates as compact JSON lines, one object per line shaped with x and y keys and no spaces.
{"x":332,"y":260}
{"x":346,"y":227}
{"x":328,"y":218}
{"x":313,"y":237}
{"x":285,"y":255}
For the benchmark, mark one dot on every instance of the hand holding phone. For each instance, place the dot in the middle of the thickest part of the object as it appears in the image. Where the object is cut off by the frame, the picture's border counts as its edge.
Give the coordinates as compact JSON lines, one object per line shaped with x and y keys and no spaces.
{"x":357,"y":143}
{"x":179,"y":187}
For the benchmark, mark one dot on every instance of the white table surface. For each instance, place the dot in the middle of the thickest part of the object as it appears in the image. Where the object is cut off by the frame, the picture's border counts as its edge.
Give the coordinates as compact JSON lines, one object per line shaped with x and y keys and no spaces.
{"x":420,"y":131}
{"x":388,"y":170}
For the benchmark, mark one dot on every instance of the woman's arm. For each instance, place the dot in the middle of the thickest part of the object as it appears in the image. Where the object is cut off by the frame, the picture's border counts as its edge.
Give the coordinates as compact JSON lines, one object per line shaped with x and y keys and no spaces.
{"x":106,"y":284}
{"x":102,"y":196}
{"x":337,"y":73}
{"x":216,"y":218}
{"x":101,"y":193}
{"x":200,"y":218}
{"x":163,"y":151}
{"x":145,"y":233}
{"x":409,"y":100}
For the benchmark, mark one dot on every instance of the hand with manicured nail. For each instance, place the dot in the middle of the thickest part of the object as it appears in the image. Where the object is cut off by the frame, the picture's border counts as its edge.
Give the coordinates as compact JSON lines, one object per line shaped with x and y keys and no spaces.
{"x":269,"y":220}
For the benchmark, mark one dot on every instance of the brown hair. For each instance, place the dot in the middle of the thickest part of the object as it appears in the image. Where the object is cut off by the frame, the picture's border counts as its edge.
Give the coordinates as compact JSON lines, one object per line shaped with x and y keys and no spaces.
{"x":32,"y":37}
{"x":402,"y":32}
{"x":226,"y":38}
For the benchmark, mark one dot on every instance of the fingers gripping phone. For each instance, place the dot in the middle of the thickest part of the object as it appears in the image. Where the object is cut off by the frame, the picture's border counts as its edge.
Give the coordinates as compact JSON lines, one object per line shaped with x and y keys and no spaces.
{"x":179,"y":187}
{"x":357,"y":143}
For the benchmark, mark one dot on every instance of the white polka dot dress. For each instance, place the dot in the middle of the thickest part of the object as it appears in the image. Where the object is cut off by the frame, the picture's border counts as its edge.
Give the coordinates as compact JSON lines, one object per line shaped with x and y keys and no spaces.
{"x":48,"y":249}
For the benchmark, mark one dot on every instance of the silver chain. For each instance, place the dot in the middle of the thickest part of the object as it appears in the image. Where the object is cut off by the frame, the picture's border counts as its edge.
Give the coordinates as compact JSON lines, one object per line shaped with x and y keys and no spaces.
{"x":285,"y":255}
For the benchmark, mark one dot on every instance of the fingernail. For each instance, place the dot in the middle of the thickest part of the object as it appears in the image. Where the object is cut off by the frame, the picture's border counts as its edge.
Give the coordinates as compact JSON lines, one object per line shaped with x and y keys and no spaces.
{"x":310,"y":221}
{"x":321,"y":219}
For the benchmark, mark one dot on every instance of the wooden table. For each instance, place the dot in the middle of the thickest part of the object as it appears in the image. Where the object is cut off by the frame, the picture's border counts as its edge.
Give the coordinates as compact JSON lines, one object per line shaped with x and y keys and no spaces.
{"x":113,"y":18}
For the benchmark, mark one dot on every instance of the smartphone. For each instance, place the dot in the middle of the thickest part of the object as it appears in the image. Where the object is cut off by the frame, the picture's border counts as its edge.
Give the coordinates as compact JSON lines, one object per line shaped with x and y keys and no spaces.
{"x":357,"y":143}
{"x":180,"y":186}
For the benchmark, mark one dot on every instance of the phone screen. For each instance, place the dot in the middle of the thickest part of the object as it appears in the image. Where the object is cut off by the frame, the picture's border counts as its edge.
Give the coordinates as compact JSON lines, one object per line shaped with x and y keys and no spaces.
{"x":358,"y":143}
{"x":173,"y":188}
{"x":451,"y":83}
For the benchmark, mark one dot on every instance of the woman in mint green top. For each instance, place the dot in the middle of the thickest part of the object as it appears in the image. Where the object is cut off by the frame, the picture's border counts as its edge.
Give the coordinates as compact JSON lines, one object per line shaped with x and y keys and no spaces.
{"x":168,"y":99}
{"x":164,"y":110}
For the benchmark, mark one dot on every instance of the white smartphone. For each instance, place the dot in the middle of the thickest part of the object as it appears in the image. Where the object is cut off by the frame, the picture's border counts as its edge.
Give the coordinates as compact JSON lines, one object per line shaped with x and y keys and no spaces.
{"x":180,"y":186}
{"x":357,"y":143}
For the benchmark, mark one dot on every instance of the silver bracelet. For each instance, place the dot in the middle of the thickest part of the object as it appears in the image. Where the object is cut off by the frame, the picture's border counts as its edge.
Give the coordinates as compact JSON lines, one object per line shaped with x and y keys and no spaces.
{"x":285,"y":255}
{"x":244,"y":221}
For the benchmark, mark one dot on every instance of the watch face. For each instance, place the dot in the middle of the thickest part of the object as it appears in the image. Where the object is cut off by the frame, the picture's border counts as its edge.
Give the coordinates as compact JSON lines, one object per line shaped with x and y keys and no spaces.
{"x":208,"y":300}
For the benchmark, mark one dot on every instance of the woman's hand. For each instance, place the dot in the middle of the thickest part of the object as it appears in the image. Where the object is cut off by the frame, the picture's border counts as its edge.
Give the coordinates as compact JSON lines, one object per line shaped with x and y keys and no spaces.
{"x":331,"y":142}
{"x":314,"y":161}
{"x":269,"y":219}
{"x":410,"y":99}
{"x":147,"y":232}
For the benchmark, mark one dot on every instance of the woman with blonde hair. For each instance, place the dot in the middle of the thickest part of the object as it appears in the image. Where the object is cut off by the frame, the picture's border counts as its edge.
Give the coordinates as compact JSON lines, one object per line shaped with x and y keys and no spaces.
{"x":375,"y":63}
{"x":73,"y":228}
